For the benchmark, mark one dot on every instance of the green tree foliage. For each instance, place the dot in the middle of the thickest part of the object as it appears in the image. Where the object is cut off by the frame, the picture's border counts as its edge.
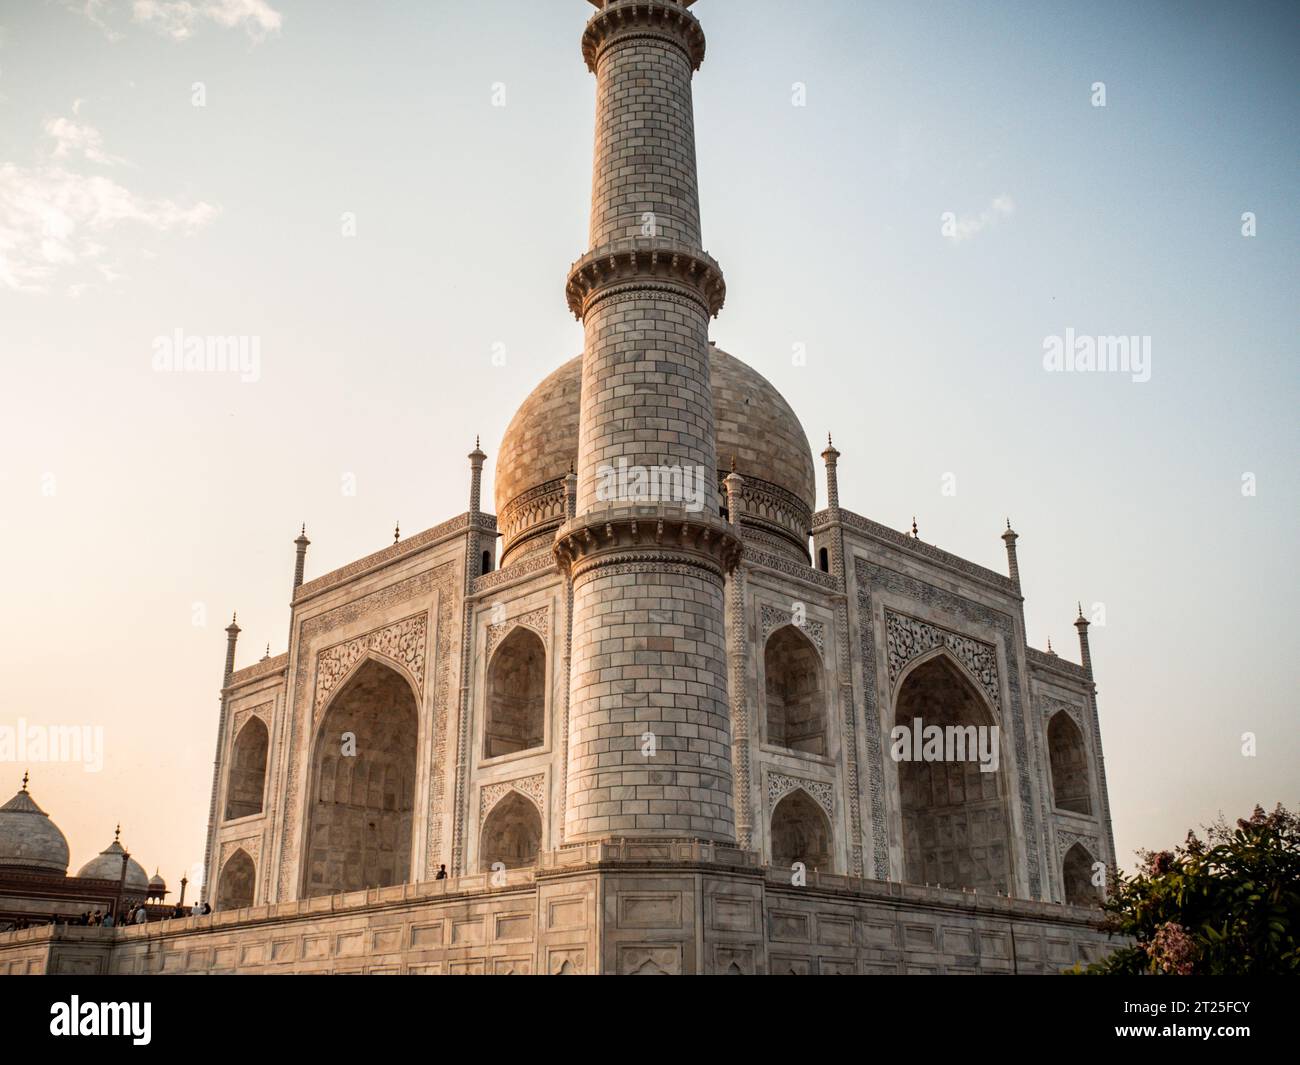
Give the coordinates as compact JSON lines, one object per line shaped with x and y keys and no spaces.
{"x":1225,"y":905}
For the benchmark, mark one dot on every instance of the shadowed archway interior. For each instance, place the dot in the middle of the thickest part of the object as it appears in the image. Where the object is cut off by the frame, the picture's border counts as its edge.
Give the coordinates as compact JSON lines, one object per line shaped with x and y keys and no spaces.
{"x":512,"y":834}
{"x":235,"y":889}
{"x":796,"y":692}
{"x":363,"y":791}
{"x":1069,"y":760}
{"x":954,"y":815}
{"x":247,"y":771}
{"x":801,"y":833}
{"x":516,"y":695}
{"x":1077,"y":870}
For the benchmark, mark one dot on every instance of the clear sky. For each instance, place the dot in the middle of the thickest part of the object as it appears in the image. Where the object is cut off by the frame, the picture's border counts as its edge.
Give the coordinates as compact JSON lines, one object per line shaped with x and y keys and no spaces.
{"x":138,"y":509}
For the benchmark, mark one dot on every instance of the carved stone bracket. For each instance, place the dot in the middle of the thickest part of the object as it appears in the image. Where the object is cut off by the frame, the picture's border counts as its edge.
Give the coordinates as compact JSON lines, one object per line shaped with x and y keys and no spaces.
{"x":402,"y":642}
{"x":645,"y":263}
{"x":537,"y":620}
{"x":533,"y":788}
{"x":908,"y":638}
{"x":774,"y":618}
{"x":779,"y":786}
{"x":651,"y":534}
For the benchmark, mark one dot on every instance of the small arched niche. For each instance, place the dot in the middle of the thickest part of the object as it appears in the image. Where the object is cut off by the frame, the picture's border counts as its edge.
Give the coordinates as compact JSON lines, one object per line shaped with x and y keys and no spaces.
{"x":516,"y":695}
{"x":512,"y":834}
{"x":1077,"y":876}
{"x":1069,"y":758}
{"x":796,"y":692}
{"x":247,"y":780}
{"x":235,"y":886}
{"x":801,"y":833}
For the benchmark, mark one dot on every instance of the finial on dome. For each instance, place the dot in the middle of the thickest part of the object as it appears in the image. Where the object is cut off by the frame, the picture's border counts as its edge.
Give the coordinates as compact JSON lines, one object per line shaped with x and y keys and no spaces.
{"x":117,"y":833}
{"x":268,"y":652}
{"x":26,"y":777}
{"x":916,"y":535}
{"x":397,"y":532}
{"x":1049,"y":648}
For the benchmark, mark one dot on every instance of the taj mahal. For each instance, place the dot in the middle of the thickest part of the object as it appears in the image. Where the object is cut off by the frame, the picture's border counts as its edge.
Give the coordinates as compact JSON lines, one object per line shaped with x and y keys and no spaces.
{"x":641,"y":717}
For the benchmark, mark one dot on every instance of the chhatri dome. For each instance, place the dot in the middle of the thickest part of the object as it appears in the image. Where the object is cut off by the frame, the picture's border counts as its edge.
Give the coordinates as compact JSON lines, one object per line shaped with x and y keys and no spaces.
{"x":29,"y":839}
{"x":107,"y":865}
{"x":755,"y":426}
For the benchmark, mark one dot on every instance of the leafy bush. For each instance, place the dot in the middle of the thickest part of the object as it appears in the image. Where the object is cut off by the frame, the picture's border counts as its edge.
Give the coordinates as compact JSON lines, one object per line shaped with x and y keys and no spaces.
{"x":1225,"y":905}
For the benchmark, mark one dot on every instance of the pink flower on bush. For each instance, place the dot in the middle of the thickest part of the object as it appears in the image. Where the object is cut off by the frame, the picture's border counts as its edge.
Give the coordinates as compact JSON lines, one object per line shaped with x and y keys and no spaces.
{"x":1172,"y":950}
{"x":1159,"y":862}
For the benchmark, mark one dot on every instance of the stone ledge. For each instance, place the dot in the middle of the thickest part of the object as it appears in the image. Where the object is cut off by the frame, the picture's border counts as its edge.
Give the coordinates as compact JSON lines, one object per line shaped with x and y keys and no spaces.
{"x":644,"y":263}
{"x":1042,"y":660}
{"x":484,"y":523}
{"x":267,"y":667}
{"x":650,"y":534}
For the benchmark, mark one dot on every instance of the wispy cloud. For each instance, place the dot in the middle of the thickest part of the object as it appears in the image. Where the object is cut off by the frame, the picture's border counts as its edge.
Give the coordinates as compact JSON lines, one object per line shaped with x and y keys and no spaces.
{"x":181,"y":19}
{"x":72,"y":139}
{"x":55,"y":220}
{"x":967,"y":227}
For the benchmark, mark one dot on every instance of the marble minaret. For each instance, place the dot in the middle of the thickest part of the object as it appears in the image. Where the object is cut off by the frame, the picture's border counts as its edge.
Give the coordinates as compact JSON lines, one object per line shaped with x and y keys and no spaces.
{"x":647,"y":551}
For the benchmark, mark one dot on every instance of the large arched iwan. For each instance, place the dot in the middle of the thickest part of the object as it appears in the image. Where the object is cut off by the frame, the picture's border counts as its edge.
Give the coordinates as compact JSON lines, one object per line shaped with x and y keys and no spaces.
{"x":954,"y":814}
{"x":362,"y":798}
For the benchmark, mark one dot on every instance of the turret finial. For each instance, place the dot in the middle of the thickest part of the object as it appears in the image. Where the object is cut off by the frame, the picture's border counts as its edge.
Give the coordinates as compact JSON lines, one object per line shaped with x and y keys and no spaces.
{"x":117,"y":833}
{"x":915,"y":532}
{"x":397,"y":532}
{"x":26,"y":777}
